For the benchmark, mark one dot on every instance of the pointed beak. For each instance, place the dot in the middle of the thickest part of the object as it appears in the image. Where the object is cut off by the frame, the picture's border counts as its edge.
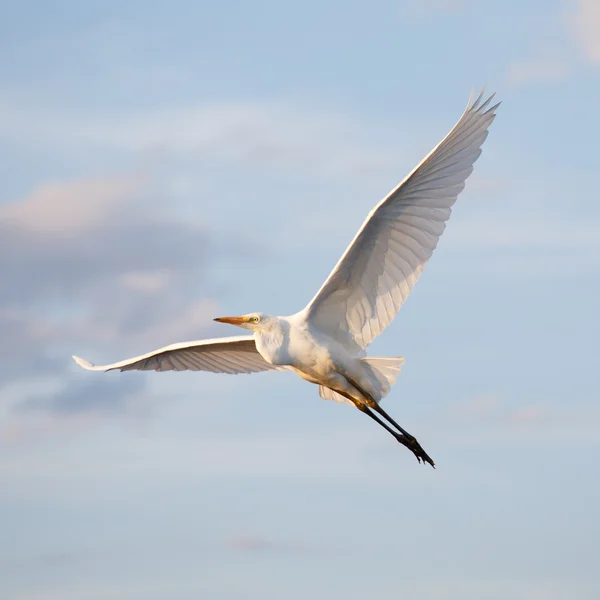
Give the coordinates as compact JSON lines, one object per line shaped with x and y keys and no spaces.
{"x":239,"y":321}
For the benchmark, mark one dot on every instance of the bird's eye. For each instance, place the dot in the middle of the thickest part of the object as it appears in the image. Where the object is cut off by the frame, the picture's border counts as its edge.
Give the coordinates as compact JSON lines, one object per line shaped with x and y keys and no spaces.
{"x":254,"y":319}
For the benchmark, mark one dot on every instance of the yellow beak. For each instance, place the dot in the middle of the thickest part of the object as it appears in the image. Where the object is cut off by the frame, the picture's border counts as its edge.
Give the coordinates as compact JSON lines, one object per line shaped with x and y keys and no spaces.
{"x":231,"y":320}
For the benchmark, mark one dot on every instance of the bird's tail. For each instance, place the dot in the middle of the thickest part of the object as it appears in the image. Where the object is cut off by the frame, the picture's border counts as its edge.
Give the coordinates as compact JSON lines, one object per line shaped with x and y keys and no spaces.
{"x":383,"y":369}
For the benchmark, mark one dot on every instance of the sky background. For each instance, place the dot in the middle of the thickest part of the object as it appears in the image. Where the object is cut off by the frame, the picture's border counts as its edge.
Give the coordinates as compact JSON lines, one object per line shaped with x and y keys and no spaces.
{"x":164,"y":163}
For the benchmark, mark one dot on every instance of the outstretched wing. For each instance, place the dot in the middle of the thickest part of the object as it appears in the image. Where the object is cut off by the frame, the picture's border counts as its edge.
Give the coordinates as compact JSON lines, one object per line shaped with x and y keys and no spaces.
{"x":367,"y":287}
{"x":232,"y":355}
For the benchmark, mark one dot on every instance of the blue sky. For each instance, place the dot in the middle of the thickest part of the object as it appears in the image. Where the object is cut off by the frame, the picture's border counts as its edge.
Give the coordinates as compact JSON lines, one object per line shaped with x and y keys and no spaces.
{"x":164,"y":163}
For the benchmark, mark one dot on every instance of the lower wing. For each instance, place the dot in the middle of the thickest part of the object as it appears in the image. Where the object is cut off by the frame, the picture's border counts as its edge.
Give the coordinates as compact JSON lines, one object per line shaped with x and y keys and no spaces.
{"x":231,"y":355}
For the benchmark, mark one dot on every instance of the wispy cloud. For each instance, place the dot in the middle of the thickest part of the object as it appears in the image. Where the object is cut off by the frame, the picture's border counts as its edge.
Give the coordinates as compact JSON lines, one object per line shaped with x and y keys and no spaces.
{"x":530,"y":414}
{"x":530,"y":247}
{"x":25,"y":429}
{"x":67,"y":241}
{"x":252,"y":134}
{"x":91,"y":395}
{"x":422,"y":9}
{"x":492,"y":409}
{"x":493,"y":419}
{"x":585,"y":25}
{"x":477,"y":408}
{"x":71,"y":208}
{"x":86,"y":263}
{"x":540,"y":69}
{"x":256,"y":544}
{"x":573,"y":35}
{"x":313,"y":455}
{"x":529,"y":231}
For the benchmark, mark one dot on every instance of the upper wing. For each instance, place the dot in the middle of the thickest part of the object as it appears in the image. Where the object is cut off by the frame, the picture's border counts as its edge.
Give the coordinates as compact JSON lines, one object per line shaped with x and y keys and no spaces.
{"x":221,"y":355}
{"x":367,"y":287}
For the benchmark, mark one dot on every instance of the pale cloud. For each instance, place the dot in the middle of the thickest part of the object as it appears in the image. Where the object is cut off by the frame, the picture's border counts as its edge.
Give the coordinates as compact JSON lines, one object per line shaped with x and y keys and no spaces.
{"x":24,"y":341}
{"x":430,"y":8}
{"x":517,"y":588}
{"x":492,"y":409}
{"x":150,"y":587}
{"x":291,"y":137}
{"x":143,"y":321}
{"x":579,"y":27}
{"x":542,"y":69}
{"x":151,"y":282}
{"x":585,"y":24}
{"x":576,"y":30}
{"x":158,"y":584}
{"x":70,"y":208}
{"x":530,"y":415}
{"x":492,"y":419}
{"x":88,"y":395}
{"x":257,"y":544}
{"x":530,"y":231}
{"x":25,"y":429}
{"x":478,"y":407}
{"x":65,"y":237}
{"x":58,"y":407}
{"x":522,"y":249}
{"x":93,"y":263}
{"x":65,"y":240}
{"x":312,"y":455}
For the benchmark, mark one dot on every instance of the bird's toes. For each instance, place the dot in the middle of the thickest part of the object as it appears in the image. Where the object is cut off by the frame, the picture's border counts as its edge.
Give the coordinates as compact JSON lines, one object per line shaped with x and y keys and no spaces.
{"x":421,"y":454}
{"x":428,"y":460}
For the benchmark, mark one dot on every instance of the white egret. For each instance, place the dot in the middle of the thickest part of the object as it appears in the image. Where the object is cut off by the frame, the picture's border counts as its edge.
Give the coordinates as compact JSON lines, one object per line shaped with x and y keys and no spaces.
{"x":325,"y":342}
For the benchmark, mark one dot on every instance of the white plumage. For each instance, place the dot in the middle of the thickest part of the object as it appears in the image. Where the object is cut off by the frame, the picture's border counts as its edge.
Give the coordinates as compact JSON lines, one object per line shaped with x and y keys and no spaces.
{"x":232,"y":355}
{"x":325,"y":342}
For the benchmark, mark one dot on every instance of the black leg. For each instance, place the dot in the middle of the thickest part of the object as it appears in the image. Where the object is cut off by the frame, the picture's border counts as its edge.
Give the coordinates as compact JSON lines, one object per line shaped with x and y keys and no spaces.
{"x":410,"y":441}
{"x":382,"y":412}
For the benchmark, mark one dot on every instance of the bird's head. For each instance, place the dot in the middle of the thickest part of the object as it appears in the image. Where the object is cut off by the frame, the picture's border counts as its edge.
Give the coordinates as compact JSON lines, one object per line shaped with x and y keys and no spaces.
{"x":252,"y":321}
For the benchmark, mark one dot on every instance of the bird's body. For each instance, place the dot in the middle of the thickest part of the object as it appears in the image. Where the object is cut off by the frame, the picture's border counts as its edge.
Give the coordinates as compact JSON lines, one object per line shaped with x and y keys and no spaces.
{"x":325,"y":343}
{"x":291,"y":342}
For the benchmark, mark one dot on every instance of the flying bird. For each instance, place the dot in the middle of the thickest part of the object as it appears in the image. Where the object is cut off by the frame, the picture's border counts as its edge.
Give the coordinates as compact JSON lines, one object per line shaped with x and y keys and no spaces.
{"x":325,"y":343}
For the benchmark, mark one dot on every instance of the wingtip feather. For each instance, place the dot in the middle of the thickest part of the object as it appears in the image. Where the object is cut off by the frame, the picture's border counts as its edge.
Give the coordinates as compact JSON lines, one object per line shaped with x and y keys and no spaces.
{"x":83,"y":363}
{"x":470,"y":99}
{"x":493,"y":108}
{"x":475,"y":104}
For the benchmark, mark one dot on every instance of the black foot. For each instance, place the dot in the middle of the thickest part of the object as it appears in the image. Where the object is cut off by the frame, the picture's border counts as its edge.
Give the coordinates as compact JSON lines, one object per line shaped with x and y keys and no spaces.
{"x":414,"y":446}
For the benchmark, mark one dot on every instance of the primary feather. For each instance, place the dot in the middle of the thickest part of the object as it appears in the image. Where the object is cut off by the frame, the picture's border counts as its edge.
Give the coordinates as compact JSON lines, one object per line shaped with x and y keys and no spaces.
{"x":367,"y":287}
{"x":231,"y":355}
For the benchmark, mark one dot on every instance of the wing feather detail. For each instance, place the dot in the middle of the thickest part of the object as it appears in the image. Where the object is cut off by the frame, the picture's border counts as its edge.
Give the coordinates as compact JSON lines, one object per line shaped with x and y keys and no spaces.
{"x":372,"y":280}
{"x":233,"y":355}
